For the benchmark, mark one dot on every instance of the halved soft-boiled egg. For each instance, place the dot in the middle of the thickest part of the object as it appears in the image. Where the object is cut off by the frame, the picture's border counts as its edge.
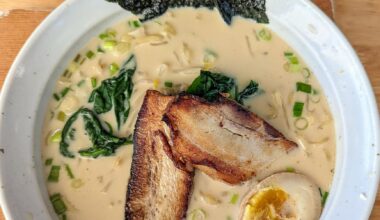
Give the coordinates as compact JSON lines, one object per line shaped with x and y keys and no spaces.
{"x":283,"y":196}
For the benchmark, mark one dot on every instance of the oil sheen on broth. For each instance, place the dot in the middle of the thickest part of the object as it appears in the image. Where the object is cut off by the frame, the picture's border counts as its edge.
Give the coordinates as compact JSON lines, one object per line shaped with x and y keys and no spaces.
{"x":171,"y":50}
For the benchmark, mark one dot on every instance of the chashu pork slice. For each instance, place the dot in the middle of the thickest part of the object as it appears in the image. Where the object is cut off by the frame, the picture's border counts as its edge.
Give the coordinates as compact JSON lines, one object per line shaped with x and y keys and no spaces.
{"x":158,"y":189}
{"x":222,"y":139}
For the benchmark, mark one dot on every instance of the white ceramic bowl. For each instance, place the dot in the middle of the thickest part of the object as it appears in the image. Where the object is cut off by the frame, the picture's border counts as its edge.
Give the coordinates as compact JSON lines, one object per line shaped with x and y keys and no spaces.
{"x":32,"y":77}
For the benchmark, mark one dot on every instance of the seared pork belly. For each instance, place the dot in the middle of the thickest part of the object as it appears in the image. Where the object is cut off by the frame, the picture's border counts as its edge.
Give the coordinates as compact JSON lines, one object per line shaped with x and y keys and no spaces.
{"x":222,"y":138}
{"x":158,"y":188}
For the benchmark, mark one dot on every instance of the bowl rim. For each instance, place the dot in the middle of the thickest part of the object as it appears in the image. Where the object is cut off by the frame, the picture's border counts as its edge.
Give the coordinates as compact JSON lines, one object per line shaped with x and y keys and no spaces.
{"x":17,"y":73}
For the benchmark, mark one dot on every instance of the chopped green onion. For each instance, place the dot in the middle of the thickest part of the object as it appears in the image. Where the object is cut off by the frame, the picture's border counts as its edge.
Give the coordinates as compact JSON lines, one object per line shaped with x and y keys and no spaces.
{"x":65,"y":74}
{"x":209,"y":59}
{"x":58,"y":204}
{"x":290,"y":169}
{"x":229,"y":218}
{"x":288,"y":54}
{"x":56,"y":97}
{"x":69,"y":171}
{"x":103,"y":36}
{"x":48,"y":162}
{"x":111,"y":32}
{"x":315,"y":97}
{"x":324,"y":198}
{"x":100,"y":50}
{"x":134,"y":24}
{"x":61,"y":116}
{"x":81,"y":83}
{"x":234,"y":199}
{"x":306,"y":73}
{"x":304,"y":87}
{"x":94,"y":82}
{"x":64,"y":92}
{"x":157,"y":22}
{"x":113,"y":68}
{"x":56,"y":136}
{"x":209,"y":52}
{"x":109,"y":44}
{"x":293,"y":60}
{"x":90,"y":54}
{"x":298,"y":109}
{"x":54,"y":174}
{"x":77,"y":183}
{"x":168,"y":84}
{"x":110,"y":130}
{"x":77,"y":58}
{"x":301,"y":123}
{"x":293,"y":64}
{"x":265,"y":34}
{"x":198,"y":214}
{"x":294,"y":68}
{"x":63,"y":217}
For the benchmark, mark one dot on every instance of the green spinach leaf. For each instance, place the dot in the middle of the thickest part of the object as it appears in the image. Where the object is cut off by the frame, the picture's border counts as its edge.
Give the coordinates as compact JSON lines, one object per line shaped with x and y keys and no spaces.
{"x":209,"y":85}
{"x":250,"y":90}
{"x":104,"y":143}
{"x":116,"y":92}
{"x":149,"y":9}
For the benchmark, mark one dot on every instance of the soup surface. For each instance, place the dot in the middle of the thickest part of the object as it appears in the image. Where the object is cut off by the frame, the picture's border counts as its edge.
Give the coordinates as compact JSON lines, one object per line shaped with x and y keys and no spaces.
{"x":170,"y":52}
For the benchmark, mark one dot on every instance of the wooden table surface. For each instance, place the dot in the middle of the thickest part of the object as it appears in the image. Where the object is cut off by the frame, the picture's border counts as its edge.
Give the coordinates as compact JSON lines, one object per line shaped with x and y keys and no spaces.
{"x":358,"y":19}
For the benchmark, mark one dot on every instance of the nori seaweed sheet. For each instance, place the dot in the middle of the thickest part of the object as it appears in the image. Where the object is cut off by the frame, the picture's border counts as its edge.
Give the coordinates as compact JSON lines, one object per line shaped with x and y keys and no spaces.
{"x":149,"y":9}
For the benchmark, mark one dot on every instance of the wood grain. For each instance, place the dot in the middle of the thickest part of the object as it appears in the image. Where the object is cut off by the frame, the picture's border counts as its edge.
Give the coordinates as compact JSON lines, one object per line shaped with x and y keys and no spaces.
{"x":358,"y":19}
{"x":360,"y":22}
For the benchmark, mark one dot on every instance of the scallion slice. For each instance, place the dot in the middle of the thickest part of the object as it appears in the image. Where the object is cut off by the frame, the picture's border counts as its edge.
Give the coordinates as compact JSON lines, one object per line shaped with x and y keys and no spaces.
{"x":69,"y":171}
{"x":301,"y":123}
{"x":306,"y":73}
{"x":109,"y":44}
{"x":293,"y":60}
{"x":61,"y":116}
{"x":56,"y":97}
{"x":290,"y":169}
{"x":56,"y":136}
{"x":77,"y":58}
{"x":100,"y":50}
{"x":293,"y":64}
{"x":288,"y":54}
{"x":298,"y":109}
{"x":94,"y":82}
{"x":113,"y":68}
{"x":54,"y":173}
{"x":63,"y":217}
{"x":168,"y":84}
{"x":90,"y":54}
{"x":234,"y":199}
{"x":304,"y":87}
{"x":324,"y":198}
{"x":111,"y":33}
{"x":64,"y":92}
{"x":49,"y":162}
{"x":265,"y":34}
{"x":134,"y":24}
{"x":58,"y":204}
{"x":198,"y":214}
{"x":103,"y":36}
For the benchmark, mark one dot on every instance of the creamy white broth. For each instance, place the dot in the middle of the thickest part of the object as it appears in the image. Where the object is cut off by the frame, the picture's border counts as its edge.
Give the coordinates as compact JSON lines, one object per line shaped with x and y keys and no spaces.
{"x":172,"y":48}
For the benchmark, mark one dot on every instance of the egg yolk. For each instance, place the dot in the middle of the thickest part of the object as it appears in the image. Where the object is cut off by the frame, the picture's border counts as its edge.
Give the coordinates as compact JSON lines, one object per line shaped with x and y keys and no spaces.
{"x":267,"y":204}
